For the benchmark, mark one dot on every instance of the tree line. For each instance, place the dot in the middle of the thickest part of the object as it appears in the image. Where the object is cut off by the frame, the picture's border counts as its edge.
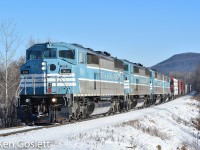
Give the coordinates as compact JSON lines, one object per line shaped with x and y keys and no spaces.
{"x":10,"y":74}
{"x":192,"y":78}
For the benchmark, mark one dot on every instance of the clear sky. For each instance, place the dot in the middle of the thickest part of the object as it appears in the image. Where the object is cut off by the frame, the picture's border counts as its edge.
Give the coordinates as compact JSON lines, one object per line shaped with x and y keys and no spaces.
{"x":145,"y":31}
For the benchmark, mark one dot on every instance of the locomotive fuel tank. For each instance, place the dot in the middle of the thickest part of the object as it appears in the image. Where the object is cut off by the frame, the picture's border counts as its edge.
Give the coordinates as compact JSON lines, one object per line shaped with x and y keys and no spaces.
{"x":99,"y":108}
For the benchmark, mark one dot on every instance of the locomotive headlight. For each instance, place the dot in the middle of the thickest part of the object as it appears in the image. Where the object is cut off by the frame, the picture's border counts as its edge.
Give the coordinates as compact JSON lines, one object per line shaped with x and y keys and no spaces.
{"x":27,"y":100}
{"x":43,"y":63}
{"x":54,"y":100}
{"x":43,"y":68}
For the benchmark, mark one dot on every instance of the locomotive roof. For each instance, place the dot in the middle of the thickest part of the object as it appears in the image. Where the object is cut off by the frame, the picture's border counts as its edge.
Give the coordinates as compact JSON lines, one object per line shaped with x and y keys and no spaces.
{"x":136,"y":64}
{"x":63,"y":44}
{"x":102,"y":54}
{"x":143,"y":67}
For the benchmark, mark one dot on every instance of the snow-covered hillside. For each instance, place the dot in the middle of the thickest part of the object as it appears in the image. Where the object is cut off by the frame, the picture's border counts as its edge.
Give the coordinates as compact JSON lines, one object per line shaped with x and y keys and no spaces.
{"x":167,"y":126}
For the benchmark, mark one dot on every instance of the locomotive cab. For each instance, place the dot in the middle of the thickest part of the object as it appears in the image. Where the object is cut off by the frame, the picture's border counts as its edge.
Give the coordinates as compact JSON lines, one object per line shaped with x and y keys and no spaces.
{"x":47,"y":83}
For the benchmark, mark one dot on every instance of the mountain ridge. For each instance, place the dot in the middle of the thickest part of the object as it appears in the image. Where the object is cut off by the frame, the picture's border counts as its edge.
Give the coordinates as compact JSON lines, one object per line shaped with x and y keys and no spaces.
{"x":184,"y":62}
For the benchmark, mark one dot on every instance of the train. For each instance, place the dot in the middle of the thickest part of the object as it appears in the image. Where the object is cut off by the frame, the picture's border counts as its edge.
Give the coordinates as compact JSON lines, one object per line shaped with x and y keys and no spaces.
{"x":62,"y":82}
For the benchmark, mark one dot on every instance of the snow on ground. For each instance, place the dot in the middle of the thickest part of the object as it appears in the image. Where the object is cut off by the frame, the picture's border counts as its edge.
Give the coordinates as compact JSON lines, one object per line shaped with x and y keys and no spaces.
{"x":168,"y":126}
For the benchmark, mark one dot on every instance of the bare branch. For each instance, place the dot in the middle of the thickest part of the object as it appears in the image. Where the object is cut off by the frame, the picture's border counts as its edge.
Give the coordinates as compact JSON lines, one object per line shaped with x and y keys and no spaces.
{"x":10,"y":43}
{"x":2,"y":86}
{"x":12,"y":85}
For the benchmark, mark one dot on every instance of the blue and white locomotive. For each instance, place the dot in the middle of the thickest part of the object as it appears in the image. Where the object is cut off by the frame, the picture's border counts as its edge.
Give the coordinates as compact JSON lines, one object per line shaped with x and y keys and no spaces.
{"x":62,"y":81}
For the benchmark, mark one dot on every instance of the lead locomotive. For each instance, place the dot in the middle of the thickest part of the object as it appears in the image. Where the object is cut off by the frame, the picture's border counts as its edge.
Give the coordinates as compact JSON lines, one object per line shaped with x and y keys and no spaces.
{"x":62,"y":81}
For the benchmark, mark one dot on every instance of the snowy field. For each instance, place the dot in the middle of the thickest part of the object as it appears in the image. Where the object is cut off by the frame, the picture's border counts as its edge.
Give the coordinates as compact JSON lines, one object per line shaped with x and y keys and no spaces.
{"x":168,"y":127}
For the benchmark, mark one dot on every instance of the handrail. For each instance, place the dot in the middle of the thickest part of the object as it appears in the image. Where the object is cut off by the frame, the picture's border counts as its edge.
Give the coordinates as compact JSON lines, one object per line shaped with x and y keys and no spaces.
{"x":25,"y":86}
{"x":67,"y":86}
{"x":17,"y":93}
{"x":33,"y":77}
{"x":68,"y":89}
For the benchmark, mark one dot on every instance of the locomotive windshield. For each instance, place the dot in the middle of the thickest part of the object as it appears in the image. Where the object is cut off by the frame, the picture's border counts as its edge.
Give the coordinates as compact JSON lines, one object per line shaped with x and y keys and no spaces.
{"x":69,"y":54}
{"x":50,"y":53}
{"x":34,"y":55}
{"x":38,"y":54}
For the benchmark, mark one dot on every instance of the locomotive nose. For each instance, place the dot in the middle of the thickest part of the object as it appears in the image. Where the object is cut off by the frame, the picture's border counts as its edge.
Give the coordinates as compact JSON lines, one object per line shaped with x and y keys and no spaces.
{"x":34,"y":67}
{"x":32,"y":77}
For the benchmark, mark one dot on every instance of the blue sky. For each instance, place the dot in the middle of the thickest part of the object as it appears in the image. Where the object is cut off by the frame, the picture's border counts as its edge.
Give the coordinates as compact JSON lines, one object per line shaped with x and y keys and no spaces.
{"x":145,"y":31}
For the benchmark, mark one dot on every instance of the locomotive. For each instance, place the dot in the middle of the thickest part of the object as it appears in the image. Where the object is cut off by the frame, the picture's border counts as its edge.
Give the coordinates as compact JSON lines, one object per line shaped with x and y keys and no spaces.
{"x":62,"y":81}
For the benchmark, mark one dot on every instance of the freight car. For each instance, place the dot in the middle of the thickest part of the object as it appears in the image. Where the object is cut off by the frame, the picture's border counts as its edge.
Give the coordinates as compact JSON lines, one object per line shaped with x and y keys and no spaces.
{"x":174,"y":87}
{"x":62,"y":81}
{"x":188,"y":88}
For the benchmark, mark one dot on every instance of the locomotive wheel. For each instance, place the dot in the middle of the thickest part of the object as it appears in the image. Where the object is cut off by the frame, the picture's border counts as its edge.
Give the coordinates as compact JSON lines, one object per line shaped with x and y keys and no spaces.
{"x":77,"y":114}
{"x":132,"y":105}
{"x":119,"y":110}
{"x":110,"y":111}
{"x":115,"y":108}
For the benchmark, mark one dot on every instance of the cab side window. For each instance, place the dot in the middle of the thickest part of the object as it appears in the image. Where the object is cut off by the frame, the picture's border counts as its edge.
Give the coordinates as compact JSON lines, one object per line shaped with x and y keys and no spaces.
{"x":81,"y":58}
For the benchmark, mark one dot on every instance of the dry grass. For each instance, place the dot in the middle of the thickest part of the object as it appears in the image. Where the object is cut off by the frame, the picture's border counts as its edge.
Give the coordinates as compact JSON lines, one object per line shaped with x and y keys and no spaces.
{"x":159,"y":147}
{"x":149,"y":130}
{"x":195,"y":144}
{"x":196,"y":122}
{"x":184,"y":147}
{"x":191,"y":145}
{"x":180,"y":120}
{"x":97,"y":139}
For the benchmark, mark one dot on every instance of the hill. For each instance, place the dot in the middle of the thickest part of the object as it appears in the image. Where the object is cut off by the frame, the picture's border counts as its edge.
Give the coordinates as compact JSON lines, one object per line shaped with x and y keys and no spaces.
{"x":185,"y":62}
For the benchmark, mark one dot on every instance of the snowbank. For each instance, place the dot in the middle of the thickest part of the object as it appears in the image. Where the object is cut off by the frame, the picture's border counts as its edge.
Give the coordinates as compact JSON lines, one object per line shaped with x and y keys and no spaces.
{"x":166,"y":126}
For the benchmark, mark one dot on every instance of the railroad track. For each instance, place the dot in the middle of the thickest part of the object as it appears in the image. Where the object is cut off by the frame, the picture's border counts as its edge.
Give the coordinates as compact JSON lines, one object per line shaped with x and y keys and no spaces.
{"x":56,"y":125}
{"x":10,"y":128}
{"x":27,"y":130}
{"x":48,"y":126}
{"x":51,"y":126}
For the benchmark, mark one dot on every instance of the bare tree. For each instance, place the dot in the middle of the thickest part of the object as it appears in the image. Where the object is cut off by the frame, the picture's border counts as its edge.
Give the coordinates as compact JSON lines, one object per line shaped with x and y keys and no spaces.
{"x":9,"y":72}
{"x":10,"y":42}
{"x":32,"y":41}
{"x":197,"y":79}
{"x":187,"y":77}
